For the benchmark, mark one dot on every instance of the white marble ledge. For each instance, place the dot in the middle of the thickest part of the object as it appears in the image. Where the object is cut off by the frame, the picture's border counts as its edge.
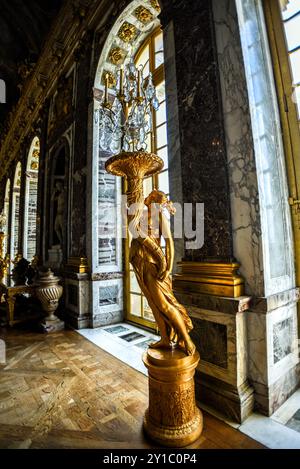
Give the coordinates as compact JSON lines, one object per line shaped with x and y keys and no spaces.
{"x":271,"y":434}
{"x":214,"y":303}
{"x":288,"y":409}
{"x":266,"y":305}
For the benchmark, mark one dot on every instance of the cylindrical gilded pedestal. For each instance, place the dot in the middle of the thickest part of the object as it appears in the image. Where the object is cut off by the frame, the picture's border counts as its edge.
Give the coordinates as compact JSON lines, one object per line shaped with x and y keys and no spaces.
{"x":172,"y":418}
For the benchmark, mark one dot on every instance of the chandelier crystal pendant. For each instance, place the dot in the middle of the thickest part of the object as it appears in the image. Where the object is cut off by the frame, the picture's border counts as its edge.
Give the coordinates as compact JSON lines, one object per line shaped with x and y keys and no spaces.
{"x":125,"y":119}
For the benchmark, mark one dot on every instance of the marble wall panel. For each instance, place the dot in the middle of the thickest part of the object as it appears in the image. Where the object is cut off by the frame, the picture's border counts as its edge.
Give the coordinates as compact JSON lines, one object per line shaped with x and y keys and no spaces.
{"x":247,"y":244}
{"x":107,"y":301}
{"x":227,"y":360}
{"x":200,"y":118}
{"x":211,"y":340}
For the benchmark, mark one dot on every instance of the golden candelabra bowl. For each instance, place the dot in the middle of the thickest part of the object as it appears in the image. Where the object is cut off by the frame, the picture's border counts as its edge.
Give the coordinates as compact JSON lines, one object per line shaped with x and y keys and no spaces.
{"x":134,"y":164}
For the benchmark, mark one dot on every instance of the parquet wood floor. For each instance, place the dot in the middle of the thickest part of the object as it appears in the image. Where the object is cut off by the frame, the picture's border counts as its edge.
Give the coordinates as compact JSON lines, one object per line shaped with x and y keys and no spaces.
{"x":62,"y":391}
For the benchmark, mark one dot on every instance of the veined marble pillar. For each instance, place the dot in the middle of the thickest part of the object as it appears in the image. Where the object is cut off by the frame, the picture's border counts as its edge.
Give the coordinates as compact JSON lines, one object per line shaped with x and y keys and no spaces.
{"x":218,"y":146}
{"x":261,"y":225}
{"x":77,"y":289}
{"x":197,"y":151}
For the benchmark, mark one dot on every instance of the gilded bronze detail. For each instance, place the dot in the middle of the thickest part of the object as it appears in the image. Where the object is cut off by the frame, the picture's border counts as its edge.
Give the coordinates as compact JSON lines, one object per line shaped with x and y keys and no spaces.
{"x":4,"y":260}
{"x":128,"y":32}
{"x":172,"y":418}
{"x":143,"y":14}
{"x":221,"y":279}
{"x":111,"y":79}
{"x":78,"y":265}
{"x":155,"y":4}
{"x":116,"y":55}
{"x":151,"y":266}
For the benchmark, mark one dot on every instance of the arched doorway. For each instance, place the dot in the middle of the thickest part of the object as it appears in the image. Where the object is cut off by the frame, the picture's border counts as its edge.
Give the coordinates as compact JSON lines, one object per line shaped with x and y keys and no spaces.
{"x":30,"y":213}
{"x":58,"y":204}
{"x":15,"y":222}
{"x":136,"y":34}
{"x":6,"y":213}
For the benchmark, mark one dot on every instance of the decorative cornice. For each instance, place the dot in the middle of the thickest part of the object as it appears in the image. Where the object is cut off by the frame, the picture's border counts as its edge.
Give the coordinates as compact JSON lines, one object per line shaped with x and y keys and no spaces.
{"x":60,"y":44}
{"x":67,"y":39}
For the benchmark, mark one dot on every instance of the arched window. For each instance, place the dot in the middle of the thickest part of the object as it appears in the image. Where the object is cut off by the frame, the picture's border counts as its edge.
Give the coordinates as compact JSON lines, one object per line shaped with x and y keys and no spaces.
{"x":151,"y":57}
{"x":291,"y":22}
{"x":6,"y":213}
{"x":268,"y":147}
{"x":31,"y":200}
{"x":135,"y":34}
{"x":14,"y":239}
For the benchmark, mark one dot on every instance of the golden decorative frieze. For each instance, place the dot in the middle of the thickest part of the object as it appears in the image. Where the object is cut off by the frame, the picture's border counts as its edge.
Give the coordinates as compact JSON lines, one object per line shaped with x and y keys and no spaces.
{"x":128,"y":32}
{"x":111,"y":79}
{"x":116,"y":55}
{"x":155,"y":4}
{"x":143,"y":15}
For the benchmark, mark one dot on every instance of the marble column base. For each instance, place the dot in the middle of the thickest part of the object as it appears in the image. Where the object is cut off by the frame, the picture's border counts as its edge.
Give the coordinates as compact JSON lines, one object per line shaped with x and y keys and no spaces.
{"x":273,"y":349}
{"x":235,"y":402}
{"x":269,"y":398}
{"x":77,"y":321}
{"x":78,"y":310}
{"x":220,"y":336}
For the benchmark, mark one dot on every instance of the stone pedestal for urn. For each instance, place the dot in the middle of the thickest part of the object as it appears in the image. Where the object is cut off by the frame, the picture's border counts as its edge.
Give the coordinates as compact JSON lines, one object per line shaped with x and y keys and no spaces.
{"x":48,"y":291}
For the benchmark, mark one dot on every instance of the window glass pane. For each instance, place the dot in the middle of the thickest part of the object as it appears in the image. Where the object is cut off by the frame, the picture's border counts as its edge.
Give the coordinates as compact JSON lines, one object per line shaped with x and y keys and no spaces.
{"x":158,"y":42}
{"x":295,"y":62}
{"x":135,"y":305}
{"x":161,"y":113}
{"x":291,"y":8}
{"x":159,"y":59}
{"x":292,"y":30}
{"x":134,"y":286}
{"x":148,"y":186}
{"x":163,"y":182}
{"x":296,"y":98}
{"x":161,"y":136}
{"x":144,"y":57}
{"x":148,"y":141}
{"x":163,"y":153}
{"x":147,"y":310}
{"x":146,"y":70}
{"x":161,"y":91}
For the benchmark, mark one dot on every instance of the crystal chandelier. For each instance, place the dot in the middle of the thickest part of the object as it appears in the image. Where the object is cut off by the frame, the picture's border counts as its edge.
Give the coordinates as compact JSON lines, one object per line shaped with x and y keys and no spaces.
{"x":125,"y":119}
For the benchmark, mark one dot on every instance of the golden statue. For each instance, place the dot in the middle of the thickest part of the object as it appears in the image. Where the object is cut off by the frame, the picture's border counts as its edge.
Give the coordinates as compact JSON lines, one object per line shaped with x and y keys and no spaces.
{"x":153,"y":269}
{"x":172,"y":418}
{"x":151,"y":266}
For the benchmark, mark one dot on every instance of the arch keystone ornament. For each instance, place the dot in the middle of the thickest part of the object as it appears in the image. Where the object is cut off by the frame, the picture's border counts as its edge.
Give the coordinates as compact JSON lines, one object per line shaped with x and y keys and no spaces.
{"x":172,"y":418}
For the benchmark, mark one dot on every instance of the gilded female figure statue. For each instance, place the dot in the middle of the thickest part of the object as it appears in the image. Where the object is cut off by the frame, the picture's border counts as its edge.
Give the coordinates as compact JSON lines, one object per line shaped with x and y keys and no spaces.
{"x":153,"y":268}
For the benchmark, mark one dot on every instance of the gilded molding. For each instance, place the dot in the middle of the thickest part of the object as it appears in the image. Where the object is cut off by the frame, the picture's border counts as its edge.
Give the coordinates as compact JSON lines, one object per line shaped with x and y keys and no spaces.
{"x":143,"y":14}
{"x":77,"y":264}
{"x":128,"y":32}
{"x":111,"y":79}
{"x":221,"y":279}
{"x":155,"y":4}
{"x":61,"y":42}
{"x":116,"y":55}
